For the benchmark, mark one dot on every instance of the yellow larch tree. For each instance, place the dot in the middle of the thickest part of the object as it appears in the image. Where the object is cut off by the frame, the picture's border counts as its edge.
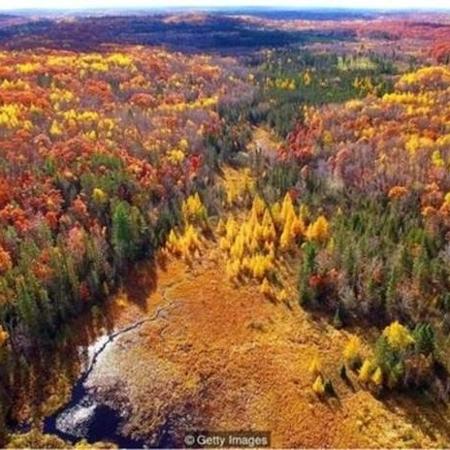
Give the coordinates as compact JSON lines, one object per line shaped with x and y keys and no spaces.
{"x":193,"y":209}
{"x":265,"y":288}
{"x":190,"y":241}
{"x":315,"y":368}
{"x":268,"y":228}
{"x":172,"y":242}
{"x":307,"y":78}
{"x":276,"y":213}
{"x":258,"y":206}
{"x":319,"y":230}
{"x":220,"y":229}
{"x":99,"y":196}
{"x":286,"y":238}
{"x":55,"y":129}
{"x":282,"y":295}
{"x":232,"y":269}
{"x":318,"y":386}
{"x":297,"y":227}
{"x":398,"y":336}
{"x":231,"y":229}
{"x":287,"y":208}
{"x":366,"y":371}
{"x":377,"y":377}
{"x":352,"y":351}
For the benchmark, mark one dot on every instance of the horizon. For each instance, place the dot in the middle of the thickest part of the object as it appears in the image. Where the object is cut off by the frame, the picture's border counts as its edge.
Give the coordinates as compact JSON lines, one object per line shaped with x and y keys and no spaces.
{"x":142,"y":5}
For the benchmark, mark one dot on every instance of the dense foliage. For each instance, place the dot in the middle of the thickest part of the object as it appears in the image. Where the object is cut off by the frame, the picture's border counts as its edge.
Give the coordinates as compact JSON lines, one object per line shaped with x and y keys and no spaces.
{"x":109,"y":153}
{"x":97,"y":152}
{"x":290,"y":79}
{"x":378,"y":168}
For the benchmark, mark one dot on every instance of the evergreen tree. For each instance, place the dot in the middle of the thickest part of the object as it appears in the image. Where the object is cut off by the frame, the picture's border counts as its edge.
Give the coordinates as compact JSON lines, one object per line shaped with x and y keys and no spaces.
{"x":122,"y":233}
{"x":424,"y":339}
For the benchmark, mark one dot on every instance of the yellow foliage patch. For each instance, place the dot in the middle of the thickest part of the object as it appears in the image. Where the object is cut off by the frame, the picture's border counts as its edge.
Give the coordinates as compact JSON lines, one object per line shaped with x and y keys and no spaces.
{"x":398,"y":336}
{"x":318,"y":386}
{"x":352,"y":350}
{"x":319,"y":230}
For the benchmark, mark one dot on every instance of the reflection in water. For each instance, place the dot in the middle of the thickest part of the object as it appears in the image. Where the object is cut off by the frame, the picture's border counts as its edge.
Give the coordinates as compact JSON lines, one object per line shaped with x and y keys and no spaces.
{"x":91,"y":421}
{"x":82,"y":416}
{"x":76,"y":421}
{"x":74,"y":356}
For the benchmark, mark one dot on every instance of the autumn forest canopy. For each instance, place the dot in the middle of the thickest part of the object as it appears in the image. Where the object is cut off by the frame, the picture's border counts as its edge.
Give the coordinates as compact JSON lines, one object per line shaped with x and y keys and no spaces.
{"x":299,"y":161}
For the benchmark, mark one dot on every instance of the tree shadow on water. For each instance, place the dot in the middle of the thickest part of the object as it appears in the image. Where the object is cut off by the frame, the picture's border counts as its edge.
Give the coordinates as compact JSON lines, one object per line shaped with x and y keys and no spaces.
{"x":45,"y":375}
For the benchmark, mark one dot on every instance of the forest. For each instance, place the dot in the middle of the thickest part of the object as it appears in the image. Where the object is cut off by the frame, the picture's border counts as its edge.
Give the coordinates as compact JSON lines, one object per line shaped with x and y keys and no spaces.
{"x":289,"y":172}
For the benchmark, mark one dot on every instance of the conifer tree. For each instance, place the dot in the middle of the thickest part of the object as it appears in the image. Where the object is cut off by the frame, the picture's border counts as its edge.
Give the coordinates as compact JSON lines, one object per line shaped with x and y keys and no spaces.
{"x":366,"y":370}
{"x":318,"y":386}
{"x":352,"y":352}
{"x":377,"y":377}
{"x":315,"y":368}
{"x":424,"y":339}
{"x":398,"y":336}
{"x":265,"y":288}
{"x":319,"y":230}
{"x":122,"y":234}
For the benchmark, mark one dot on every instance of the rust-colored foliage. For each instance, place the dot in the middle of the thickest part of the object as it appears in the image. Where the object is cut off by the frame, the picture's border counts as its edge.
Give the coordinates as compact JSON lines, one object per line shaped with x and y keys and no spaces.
{"x":95,"y":148}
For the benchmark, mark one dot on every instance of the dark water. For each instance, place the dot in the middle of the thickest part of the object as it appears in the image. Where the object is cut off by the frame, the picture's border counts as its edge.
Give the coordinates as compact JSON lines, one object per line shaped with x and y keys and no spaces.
{"x":83,"y":417}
